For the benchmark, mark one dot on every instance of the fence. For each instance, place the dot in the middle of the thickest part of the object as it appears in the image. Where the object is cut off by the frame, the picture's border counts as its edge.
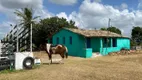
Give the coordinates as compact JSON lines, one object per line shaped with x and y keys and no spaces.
{"x":17,"y":39}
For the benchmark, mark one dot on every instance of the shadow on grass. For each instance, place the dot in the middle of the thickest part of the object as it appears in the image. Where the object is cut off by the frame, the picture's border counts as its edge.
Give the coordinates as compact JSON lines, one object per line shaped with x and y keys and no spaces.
{"x":52,"y":63}
{"x":6,"y":71}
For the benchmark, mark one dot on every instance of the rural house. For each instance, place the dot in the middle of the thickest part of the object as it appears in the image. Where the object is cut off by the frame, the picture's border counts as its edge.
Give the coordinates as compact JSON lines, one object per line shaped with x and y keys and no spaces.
{"x":84,"y":43}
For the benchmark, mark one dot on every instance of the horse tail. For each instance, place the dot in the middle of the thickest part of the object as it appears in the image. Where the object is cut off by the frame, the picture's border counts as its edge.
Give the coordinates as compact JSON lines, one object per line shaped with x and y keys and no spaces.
{"x":66,"y":52}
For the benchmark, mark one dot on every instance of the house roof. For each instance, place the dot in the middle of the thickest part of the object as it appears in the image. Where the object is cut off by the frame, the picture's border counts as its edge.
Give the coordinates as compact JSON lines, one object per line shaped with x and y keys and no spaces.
{"x":95,"y":33}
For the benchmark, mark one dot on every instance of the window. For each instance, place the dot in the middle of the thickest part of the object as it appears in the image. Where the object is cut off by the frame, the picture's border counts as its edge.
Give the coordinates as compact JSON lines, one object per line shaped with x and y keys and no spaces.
{"x":88,"y":41}
{"x":114,"y":42}
{"x":57,"y":40}
{"x":70,"y":40}
{"x":106,"y":42}
{"x":63,"y":40}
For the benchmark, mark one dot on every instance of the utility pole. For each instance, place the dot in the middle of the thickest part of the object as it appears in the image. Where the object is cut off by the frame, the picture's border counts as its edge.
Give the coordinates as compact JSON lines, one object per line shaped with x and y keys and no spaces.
{"x":17,"y":40}
{"x":108,"y":34}
{"x":109,"y":22}
{"x":31,"y":39}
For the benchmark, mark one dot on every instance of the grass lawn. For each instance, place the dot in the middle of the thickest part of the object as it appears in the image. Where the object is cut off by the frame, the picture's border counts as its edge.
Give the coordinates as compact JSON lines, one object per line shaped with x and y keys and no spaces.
{"x":126,"y":67}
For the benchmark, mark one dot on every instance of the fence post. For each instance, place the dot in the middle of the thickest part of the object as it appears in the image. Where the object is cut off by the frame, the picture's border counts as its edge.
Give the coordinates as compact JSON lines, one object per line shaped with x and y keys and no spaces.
{"x":31,"y":38}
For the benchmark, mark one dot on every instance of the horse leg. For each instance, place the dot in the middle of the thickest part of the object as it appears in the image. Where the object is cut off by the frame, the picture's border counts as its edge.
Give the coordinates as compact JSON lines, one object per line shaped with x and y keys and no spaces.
{"x":51,"y":58}
{"x":62,"y":61}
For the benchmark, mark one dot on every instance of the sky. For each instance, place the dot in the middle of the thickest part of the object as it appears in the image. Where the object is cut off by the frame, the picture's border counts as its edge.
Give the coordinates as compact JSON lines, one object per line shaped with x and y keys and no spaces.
{"x":87,"y":14}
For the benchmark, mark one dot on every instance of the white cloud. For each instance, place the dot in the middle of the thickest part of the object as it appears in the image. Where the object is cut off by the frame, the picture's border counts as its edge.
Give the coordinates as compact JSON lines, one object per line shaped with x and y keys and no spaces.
{"x":11,"y":4}
{"x":8,"y":7}
{"x":138,"y":18}
{"x":93,"y":15}
{"x":98,"y":0}
{"x":77,"y":18}
{"x":4,"y":28}
{"x":140,"y":4}
{"x":64,"y":2}
{"x":63,"y":15}
{"x":43,"y":13}
{"x":124,"y":6}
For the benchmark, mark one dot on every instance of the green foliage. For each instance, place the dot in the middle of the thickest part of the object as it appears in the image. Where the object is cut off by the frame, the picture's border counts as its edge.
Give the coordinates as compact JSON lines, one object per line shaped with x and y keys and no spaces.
{"x":137,"y":35}
{"x":133,"y":43}
{"x":45,"y":29}
{"x":103,"y":29}
{"x":26,"y":16}
{"x":112,"y":29}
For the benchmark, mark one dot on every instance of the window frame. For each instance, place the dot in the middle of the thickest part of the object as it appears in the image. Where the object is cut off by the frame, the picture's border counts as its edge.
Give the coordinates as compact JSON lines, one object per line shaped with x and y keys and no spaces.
{"x":70,"y":39}
{"x":114,"y":42}
{"x":64,"y":40}
{"x":57,"y":40}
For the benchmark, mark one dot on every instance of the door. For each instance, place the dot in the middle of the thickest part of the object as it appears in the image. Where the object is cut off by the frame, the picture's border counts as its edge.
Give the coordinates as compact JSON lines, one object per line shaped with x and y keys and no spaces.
{"x":88,"y":41}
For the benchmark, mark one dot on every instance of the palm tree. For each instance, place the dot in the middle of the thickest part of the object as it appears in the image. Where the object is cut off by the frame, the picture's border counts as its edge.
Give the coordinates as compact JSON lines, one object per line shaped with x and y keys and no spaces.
{"x":26,"y":16}
{"x":27,"y":19}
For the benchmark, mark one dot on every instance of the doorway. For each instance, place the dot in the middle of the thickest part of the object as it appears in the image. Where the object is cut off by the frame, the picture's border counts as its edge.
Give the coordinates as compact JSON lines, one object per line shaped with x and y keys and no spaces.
{"x":88,"y":42}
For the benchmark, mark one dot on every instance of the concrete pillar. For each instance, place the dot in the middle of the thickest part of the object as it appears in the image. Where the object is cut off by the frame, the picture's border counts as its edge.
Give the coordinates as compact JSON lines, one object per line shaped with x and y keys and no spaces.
{"x":101,"y":43}
{"x":111,"y":42}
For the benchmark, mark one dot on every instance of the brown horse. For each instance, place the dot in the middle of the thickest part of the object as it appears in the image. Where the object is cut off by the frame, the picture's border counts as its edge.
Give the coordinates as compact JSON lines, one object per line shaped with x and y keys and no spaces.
{"x":56,"y":49}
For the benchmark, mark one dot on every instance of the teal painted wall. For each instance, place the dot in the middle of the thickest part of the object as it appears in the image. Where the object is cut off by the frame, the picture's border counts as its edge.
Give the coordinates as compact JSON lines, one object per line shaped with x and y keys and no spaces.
{"x":121,"y":43}
{"x":88,"y":52}
{"x":78,"y":46}
{"x":95,"y":44}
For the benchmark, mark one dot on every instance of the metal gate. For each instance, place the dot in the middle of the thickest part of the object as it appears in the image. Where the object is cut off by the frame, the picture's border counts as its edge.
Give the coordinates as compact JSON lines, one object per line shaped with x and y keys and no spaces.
{"x":17,"y":40}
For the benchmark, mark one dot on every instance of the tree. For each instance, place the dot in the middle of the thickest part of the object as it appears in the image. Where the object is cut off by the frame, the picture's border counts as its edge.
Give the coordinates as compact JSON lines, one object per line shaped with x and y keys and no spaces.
{"x":45,"y":29}
{"x":26,"y":16}
{"x":103,"y":29}
{"x":112,"y":29}
{"x":137,"y":35}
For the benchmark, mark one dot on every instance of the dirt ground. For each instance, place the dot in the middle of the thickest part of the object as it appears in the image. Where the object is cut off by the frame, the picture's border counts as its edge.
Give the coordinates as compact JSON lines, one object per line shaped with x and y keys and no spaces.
{"x":121,"y":67}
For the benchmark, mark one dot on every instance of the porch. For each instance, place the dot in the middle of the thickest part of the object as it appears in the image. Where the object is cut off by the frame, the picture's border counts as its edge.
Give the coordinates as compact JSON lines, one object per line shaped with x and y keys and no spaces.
{"x":100,"y":46}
